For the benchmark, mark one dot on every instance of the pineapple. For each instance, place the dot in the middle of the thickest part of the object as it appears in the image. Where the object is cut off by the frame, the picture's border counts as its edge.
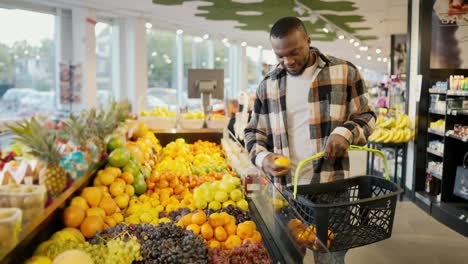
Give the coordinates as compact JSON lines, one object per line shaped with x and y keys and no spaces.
{"x":77,"y":131}
{"x":41,"y":142}
{"x":103,"y":122}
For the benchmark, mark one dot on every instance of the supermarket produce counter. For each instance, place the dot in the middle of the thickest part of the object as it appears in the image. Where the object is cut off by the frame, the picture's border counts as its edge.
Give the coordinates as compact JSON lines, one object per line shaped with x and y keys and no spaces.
{"x":268,"y":209}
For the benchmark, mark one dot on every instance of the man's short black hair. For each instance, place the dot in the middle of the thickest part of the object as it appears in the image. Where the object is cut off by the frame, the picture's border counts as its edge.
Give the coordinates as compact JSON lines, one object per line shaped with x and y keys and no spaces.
{"x":286,"y":25}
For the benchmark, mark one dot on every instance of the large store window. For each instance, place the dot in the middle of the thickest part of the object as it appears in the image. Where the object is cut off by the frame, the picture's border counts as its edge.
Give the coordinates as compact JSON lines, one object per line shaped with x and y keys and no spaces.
{"x":104,"y":50}
{"x":27,"y":63}
{"x":254,"y":68}
{"x":221,"y":61}
{"x":196,"y":56}
{"x":161,"y":68}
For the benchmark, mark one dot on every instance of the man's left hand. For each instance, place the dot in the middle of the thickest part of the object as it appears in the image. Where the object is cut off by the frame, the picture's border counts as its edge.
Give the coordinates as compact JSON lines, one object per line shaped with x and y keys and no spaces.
{"x":336,"y":146}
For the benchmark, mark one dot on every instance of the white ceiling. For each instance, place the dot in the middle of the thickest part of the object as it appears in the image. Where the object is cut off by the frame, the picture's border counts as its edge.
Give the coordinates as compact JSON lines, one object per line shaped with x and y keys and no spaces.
{"x":384,"y":17}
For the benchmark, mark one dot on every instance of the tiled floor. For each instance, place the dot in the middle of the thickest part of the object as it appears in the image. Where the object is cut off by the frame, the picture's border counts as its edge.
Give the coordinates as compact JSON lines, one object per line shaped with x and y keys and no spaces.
{"x":417,"y":238}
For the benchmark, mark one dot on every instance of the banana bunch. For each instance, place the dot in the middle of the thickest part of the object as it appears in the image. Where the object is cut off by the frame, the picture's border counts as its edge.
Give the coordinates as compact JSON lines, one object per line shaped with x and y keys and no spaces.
{"x":392,"y":130}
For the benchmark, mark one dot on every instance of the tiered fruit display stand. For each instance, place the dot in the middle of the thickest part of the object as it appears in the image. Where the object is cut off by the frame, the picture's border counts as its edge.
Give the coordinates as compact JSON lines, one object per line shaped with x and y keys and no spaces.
{"x":268,"y":208}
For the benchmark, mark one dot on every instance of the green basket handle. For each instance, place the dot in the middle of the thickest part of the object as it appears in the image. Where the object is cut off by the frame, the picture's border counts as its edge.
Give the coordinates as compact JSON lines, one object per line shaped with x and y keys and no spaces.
{"x":321,"y":154}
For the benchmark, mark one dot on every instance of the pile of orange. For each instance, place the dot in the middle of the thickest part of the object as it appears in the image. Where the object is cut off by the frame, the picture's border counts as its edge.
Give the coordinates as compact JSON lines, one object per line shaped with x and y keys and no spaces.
{"x":92,"y":211}
{"x":220,"y":229}
{"x":306,"y":235}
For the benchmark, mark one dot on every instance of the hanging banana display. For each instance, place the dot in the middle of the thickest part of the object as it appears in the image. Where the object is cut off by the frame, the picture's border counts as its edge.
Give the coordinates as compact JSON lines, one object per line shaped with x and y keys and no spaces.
{"x":390,"y":129}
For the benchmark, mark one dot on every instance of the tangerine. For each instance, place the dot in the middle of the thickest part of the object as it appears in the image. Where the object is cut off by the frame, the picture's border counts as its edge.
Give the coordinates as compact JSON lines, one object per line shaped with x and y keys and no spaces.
{"x":73,"y":216}
{"x":231,"y":229}
{"x":244,"y":230}
{"x":216,"y":220}
{"x":232,"y":242}
{"x":93,"y":195}
{"x":214,"y":244}
{"x":199,"y":218}
{"x":256,"y":237}
{"x":294,"y":224}
{"x":206,"y":231}
{"x":194,"y":228}
{"x":91,"y":225}
{"x":127,"y":177}
{"x":220,"y":234}
{"x":108,"y":204}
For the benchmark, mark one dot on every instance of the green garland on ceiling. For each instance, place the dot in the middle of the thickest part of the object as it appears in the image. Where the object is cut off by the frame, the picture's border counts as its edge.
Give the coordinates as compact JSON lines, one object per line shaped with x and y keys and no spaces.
{"x":222,"y":10}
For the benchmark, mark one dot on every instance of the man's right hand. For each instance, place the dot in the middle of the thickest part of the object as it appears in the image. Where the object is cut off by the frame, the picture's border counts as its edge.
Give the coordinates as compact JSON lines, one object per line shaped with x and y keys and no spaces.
{"x":270,"y":168}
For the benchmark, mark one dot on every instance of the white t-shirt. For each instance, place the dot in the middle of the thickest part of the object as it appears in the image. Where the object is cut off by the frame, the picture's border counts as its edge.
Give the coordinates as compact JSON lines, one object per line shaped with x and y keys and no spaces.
{"x":297,"y":116}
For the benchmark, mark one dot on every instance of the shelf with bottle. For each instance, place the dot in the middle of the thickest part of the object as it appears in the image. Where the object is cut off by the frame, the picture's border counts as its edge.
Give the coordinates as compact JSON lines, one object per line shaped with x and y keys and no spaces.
{"x":457,"y":85}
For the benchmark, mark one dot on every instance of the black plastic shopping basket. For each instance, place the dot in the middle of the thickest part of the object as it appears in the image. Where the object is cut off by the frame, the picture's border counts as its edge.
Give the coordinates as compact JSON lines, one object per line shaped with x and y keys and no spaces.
{"x":346,"y":213}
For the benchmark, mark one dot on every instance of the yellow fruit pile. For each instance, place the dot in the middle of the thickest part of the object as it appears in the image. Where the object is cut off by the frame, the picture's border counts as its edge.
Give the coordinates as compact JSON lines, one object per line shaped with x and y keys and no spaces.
{"x":220,"y":229}
{"x":392,"y":130}
{"x":219,"y":194}
{"x":160,"y":111}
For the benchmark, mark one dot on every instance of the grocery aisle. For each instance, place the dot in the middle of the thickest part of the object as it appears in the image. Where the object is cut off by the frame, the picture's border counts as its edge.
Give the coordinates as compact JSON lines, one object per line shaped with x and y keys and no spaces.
{"x":417,"y":238}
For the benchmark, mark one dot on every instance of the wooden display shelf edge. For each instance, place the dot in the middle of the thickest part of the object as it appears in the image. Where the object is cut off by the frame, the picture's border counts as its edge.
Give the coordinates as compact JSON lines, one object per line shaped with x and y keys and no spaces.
{"x":185,"y":131}
{"x":36,"y":225}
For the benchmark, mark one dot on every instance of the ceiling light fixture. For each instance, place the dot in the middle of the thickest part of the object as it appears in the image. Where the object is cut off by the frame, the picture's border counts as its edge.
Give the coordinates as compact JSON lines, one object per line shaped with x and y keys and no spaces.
{"x":260,"y":47}
{"x":225,"y":40}
{"x":356,"y":44}
{"x":325,"y":30}
{"x":369,"y":58}
{"x":243,"y":44}
{"x":198,"y":39}
{"x":154,"y":53}
{"x":362,"y":48}
{"x":148,"y":25}
{"x":351,"y":40}
{"x":218,"y":58}
{"x":341,"y":37}
{"x":384,"y":59}
{"x":180,"y":32}
{"x":358,"y":56}
{"x":378,"y":51}
{"x":206,"y":36}
{"x":379,"y":59}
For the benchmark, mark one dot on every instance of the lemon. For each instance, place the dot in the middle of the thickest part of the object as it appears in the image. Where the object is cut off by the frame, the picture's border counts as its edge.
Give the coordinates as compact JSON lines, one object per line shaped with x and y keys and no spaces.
{"x":283,"y":162}
{"x":242,"y":204}
{"x":214,"y":205}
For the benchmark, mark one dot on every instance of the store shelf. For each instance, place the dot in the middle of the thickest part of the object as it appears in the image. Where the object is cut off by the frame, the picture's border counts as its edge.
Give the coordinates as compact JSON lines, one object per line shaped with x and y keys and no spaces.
{"x":437,"y":91}
{"x":435,"y":174}
{"x":454,"y":215}
{"x":425,"y":200}
{"x":451,"y":135}
{"x":435,"y":132}
{"x":457,"y":93}
{"x":434,"y":152}
{"x":457,"y":112}
{"x":436,"y":112}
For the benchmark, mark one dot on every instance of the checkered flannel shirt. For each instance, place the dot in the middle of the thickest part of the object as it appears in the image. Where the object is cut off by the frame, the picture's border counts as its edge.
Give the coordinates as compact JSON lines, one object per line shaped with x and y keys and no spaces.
{"x":338,"y":104}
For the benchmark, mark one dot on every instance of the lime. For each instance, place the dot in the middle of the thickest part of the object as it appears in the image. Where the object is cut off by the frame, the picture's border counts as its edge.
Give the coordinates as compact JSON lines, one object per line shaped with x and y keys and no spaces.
{"x":139,"y":185}
{"x":119,"y":157}
{"x":115,"y":142}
